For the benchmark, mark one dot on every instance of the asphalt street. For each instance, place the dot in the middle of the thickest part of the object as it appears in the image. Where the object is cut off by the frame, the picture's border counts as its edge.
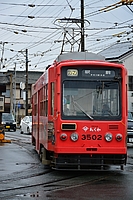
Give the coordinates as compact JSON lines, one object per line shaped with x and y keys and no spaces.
{"x":23,"y":177}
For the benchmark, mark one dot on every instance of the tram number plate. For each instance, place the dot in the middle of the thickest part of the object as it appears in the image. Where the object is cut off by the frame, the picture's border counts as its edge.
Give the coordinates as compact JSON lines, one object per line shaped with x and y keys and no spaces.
{"x":130,"y":139}
{"x":91,"y":137}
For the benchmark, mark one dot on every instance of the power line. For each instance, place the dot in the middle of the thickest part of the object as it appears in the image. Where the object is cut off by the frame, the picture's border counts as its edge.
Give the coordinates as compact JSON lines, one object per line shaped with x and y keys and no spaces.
{"x":33,"y":5}
{"x":129,"y":8}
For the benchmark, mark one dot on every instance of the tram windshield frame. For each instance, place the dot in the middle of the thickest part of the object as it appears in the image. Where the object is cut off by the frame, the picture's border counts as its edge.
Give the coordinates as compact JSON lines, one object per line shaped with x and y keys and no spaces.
{"x":87,"y":99}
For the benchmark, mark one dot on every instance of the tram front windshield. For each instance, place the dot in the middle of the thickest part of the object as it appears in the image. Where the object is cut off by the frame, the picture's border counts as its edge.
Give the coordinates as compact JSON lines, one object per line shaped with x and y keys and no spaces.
{"x":93,"y":100}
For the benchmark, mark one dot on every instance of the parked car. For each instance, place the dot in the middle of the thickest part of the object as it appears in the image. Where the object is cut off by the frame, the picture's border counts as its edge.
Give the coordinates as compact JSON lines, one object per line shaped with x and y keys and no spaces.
{"x":26,"y":125}
{"x":8,"y":121}
{"x":130,"y":128}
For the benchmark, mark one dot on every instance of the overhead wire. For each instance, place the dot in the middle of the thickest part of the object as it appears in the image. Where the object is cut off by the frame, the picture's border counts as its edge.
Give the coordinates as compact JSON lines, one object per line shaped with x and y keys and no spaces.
{"x":34,"y":45}
{"x":61,"y":34}
{"x":44,"y":41}
{"x":106,"y":29}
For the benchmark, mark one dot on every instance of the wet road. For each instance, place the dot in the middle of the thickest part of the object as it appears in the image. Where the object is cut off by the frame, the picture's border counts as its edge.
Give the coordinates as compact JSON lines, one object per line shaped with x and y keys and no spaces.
{"x":23,"y":177}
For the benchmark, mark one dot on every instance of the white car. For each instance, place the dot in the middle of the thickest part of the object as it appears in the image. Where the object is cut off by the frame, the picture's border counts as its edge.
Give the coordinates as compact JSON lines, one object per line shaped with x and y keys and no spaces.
{"x":26,"y":125}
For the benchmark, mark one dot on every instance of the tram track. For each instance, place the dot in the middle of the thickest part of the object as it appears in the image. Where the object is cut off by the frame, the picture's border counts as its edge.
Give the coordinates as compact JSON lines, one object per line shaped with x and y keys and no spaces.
{"x":44,"y":184}
{"x":45,"y":178}
{"x":37,"y":180}
{"x":58,"y":183}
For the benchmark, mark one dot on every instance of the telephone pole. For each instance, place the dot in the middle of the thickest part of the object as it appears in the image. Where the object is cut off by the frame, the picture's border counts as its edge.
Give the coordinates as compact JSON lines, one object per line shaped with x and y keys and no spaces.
{"x":82,"y":26}
{"x":26,"y":84}
{"x":14,"y":93}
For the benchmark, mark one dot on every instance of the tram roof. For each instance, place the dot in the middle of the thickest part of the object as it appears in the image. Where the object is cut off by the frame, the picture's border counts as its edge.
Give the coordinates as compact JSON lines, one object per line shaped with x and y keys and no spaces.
{"x":79,"y":56}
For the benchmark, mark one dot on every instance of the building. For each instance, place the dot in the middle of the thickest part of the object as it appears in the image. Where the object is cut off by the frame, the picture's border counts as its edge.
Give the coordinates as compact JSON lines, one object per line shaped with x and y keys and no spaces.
{"x":123,"y":53}
{"x":15,"y":98}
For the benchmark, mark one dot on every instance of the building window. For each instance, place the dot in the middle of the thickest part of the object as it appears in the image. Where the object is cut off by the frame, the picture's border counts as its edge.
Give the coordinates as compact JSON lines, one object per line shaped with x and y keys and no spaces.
{"x":21,"y":93}
{"x":7,"y":93}
{"x":130,"y":83}
{"x":132,"y":106}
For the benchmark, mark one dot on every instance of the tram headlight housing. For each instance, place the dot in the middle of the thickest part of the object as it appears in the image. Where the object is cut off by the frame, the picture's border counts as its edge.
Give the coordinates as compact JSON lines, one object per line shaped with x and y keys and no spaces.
{"x":74,"y":137}
{"x":63,"y":136}
{"x":108,"y":137}
{"x":119,"y":137}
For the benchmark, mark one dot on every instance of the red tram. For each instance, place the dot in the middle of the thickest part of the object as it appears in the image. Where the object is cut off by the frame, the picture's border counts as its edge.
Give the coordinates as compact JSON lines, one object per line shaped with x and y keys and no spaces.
{"x":80,"y":113}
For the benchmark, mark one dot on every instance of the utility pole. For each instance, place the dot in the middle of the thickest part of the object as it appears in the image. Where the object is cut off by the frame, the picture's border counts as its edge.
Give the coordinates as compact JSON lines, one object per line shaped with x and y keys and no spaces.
{"x":82,"y":26}
{"x":26,"y":83}
{"x":14,"y":92}
{"x":11,"y":93}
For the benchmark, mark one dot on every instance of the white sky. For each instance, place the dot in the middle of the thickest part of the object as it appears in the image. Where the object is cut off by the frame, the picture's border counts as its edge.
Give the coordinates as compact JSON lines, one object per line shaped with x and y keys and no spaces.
{"x":43,"y":35}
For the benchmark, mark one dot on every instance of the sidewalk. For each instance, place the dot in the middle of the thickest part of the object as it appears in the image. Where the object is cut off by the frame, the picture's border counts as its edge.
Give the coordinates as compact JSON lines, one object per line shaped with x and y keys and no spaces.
{"x":13,"y":158}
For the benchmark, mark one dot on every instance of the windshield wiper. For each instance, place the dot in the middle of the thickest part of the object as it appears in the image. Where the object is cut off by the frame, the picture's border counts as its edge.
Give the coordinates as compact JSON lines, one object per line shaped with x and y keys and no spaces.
{"x":78,"y":106}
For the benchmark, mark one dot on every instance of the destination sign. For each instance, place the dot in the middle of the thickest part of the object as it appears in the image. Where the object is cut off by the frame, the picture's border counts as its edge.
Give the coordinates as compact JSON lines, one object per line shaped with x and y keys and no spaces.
{"x":72,"y":72}
{"x":98,"y":73}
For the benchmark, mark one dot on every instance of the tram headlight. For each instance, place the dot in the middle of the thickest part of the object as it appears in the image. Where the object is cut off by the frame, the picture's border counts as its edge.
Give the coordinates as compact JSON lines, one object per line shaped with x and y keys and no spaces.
{"x":119,"y":137}
{"x":63,"y":136}
{"x":74,"y":137}
{"x":108,"y":137}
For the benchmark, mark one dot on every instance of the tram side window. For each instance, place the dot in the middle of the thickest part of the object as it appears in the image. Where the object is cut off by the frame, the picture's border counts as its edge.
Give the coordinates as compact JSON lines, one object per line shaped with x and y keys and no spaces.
{"x":35,"y":105}
{"x":46,"y":100}
{"x":42,"y":108}
{"x":52,"y":98}
{"x":130,"y":83}
{"x":35,"y":109}
{"x":41,"y":102}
